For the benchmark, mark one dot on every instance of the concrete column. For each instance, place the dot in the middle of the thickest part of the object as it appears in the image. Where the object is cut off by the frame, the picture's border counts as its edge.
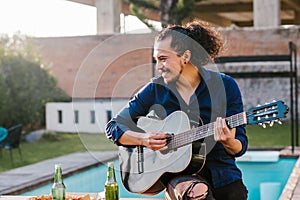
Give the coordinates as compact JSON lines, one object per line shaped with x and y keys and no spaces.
{"x":108,"y":16}
{"x":297,"y":18}
{"x":266,"y":13}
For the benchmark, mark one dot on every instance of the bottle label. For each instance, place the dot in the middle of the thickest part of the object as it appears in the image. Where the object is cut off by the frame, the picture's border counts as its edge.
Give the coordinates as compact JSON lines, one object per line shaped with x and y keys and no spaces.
{"x":111,"y":192}
{"x":58,"y":194}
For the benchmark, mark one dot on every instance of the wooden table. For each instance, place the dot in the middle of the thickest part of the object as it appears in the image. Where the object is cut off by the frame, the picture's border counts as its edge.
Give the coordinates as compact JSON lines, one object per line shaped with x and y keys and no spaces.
{"x":96,"y":196}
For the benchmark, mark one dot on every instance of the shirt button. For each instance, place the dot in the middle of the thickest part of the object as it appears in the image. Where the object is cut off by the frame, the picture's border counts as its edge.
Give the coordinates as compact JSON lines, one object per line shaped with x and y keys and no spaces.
{"x":188,"y":111}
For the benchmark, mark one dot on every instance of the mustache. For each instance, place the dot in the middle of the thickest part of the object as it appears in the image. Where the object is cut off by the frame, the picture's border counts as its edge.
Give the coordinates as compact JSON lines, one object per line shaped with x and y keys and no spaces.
{"x":164,"y":70}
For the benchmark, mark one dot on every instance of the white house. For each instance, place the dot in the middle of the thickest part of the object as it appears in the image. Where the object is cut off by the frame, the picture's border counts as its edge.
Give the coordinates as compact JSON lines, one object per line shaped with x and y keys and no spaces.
{"x":81,"y":117}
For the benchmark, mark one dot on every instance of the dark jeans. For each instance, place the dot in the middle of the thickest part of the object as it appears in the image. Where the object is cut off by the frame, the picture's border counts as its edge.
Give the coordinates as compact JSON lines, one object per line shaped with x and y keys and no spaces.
{"x":234,"y":191}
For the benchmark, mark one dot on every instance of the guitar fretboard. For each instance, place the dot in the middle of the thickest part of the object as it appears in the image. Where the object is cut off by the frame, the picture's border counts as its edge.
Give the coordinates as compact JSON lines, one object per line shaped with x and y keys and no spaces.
{"x":204,"y":131}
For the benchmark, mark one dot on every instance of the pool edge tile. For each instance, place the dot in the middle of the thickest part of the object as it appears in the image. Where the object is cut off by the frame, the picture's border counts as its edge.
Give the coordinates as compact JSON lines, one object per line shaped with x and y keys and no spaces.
{"x":292,"y":187}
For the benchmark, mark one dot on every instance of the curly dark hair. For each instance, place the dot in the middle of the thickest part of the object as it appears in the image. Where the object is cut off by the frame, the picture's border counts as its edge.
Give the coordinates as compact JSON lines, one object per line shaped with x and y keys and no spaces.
{"x":199,"y":37}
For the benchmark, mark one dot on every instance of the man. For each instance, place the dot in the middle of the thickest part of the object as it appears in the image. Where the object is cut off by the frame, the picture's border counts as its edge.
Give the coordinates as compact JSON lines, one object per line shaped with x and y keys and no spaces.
{"x":181,"y":54}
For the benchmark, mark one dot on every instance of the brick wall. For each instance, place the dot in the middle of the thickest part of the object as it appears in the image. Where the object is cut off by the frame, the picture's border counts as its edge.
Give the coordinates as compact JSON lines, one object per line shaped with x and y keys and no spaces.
{"x":118,"y":65}
{"x":251,"y":41}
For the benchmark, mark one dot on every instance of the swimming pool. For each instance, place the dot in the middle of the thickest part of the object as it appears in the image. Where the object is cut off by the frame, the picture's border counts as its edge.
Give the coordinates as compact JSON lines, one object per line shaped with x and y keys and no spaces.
{"x":254,"y":172}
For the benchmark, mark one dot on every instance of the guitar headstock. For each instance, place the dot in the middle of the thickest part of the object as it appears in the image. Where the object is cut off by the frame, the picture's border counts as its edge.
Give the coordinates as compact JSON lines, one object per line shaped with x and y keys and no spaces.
{"x":267,"y":114}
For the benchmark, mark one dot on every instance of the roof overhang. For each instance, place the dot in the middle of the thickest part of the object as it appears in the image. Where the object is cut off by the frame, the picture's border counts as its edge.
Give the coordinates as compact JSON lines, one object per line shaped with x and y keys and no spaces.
{"x":226,"y":12}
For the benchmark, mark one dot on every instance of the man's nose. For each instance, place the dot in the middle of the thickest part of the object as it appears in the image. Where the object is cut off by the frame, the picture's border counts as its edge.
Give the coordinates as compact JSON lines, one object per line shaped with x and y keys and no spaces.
{"x":158,"y":65}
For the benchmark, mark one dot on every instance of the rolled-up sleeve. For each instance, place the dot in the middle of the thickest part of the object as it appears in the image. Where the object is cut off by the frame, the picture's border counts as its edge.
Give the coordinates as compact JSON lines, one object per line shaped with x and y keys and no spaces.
{"x":114,"y":130}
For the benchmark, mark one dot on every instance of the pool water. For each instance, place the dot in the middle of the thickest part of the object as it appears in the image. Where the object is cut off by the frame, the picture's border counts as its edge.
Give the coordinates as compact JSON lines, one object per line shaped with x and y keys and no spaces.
{"x":254,"y":173}
{"x":89,"y":181}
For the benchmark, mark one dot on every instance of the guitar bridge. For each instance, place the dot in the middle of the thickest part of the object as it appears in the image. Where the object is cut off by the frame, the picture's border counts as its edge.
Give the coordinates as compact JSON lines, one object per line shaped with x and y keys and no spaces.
{"x":140,"y":159}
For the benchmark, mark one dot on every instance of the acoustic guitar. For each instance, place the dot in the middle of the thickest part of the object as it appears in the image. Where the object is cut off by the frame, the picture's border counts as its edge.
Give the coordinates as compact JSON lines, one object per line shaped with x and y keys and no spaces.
{"x":142,"y":169}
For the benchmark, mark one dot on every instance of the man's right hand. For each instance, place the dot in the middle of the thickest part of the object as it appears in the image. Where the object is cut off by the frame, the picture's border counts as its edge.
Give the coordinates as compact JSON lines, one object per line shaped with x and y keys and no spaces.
{"x":153,"y":140}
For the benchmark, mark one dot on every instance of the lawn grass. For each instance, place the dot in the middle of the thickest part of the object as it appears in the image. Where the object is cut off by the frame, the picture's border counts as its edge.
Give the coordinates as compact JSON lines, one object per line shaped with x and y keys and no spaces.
{"x":275,"y":136}
{"x":51,"y":147}
{"x":66,"y":143}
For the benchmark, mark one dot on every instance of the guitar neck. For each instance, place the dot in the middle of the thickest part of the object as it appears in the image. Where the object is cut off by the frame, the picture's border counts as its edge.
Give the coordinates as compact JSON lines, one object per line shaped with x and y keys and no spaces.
{"x":198,"y":133}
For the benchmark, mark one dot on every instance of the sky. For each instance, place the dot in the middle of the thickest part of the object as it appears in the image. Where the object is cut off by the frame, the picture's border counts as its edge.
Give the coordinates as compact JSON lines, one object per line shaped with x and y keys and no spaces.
{"x":52,"y":18}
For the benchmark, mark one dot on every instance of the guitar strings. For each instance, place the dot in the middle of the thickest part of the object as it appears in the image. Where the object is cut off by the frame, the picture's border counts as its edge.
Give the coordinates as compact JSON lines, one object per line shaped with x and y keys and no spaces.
{"x":201,"y":132}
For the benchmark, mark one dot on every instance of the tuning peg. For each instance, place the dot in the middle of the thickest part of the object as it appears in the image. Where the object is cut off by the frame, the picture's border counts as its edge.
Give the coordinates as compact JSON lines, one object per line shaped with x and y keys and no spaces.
{"x":262,"y":124}
{"x":274,"y":101}
{"x":278,"y":122}
{"x":271,"y":123}
{"x":258,"y":118}
{"x":267,"y":116}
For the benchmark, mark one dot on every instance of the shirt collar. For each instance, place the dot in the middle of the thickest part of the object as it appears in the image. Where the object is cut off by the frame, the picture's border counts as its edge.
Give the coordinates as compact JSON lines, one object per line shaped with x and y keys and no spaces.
{"x":204,"y":73}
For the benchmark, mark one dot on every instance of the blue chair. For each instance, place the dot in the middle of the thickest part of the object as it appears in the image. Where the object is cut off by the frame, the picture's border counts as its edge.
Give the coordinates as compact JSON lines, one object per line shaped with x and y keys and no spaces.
{"x":3,"y":133}
{"x":12,"y":141}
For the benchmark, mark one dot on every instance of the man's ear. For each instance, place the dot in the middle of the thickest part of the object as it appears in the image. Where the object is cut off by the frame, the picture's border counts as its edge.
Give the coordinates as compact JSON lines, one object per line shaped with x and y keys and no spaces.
{"x":187,"y":56}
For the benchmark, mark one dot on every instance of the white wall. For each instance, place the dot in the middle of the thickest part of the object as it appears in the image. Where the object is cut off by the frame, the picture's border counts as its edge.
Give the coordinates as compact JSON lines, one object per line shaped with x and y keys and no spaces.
{"x":84,"y":124}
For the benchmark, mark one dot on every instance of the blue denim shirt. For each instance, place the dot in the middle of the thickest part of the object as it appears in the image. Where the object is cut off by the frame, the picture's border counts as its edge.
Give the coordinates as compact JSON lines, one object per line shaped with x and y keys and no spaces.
{"x":217,"y":95}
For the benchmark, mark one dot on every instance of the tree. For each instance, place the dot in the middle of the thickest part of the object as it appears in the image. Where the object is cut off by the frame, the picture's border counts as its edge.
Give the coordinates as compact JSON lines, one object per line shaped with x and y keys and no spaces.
{"x":27,"y":84}
{"x":3,"y":100}
{"x":171,"y":11}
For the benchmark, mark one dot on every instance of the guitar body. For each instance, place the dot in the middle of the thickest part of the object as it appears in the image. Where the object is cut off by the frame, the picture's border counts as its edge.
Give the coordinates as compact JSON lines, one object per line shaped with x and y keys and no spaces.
{"x":143,"y":174}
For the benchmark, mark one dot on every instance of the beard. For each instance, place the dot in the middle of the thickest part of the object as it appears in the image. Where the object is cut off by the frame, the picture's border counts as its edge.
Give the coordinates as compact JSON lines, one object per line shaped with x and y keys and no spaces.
{"x":169,"y":76}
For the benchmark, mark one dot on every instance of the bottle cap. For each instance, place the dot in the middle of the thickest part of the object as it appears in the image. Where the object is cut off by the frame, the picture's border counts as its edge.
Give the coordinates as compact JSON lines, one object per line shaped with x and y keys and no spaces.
{"x":110,"y":164}
{"x":57,"y":165}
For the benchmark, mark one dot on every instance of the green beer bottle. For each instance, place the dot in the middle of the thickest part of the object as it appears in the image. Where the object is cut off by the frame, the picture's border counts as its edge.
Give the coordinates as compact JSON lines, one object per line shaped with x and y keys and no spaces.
{"x":111,"y":187}
{"x":58,"y":188}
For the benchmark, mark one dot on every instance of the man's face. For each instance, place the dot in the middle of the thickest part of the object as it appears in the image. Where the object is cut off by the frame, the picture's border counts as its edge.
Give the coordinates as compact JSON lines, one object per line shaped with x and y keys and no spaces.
{"x":168,"y":62}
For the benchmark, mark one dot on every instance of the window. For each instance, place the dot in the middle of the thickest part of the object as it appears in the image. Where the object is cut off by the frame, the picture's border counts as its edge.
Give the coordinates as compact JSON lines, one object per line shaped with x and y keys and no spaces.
{"x":108,"y":115}
{"x":92,"y":117}
{"x":76,"y":116}
{"x":59,"y":112}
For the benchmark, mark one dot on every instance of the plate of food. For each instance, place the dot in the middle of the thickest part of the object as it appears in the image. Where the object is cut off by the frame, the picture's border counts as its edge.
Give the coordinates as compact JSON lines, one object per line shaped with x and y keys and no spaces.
{"x":68,"y":197}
